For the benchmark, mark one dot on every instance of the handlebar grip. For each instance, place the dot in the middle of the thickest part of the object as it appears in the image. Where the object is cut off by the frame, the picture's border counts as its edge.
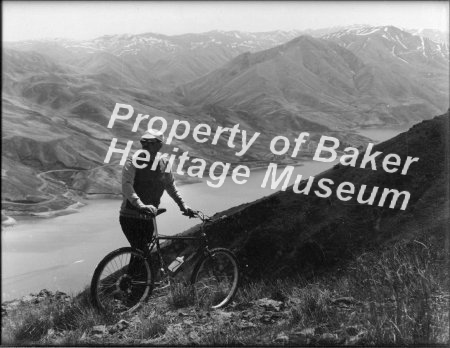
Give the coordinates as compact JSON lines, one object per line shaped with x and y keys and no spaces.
{"x":194,"y":214}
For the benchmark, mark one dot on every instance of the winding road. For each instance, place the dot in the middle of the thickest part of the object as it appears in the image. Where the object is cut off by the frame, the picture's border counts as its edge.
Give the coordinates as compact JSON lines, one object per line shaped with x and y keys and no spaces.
{"x":52,"y":197}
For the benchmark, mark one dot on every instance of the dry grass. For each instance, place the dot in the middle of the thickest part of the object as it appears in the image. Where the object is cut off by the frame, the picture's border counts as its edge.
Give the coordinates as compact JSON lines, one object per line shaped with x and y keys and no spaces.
{"x":154,"y":327}
{"x":275,"y":289}
{"x":406,"y":291}
{"x":398,"y":296}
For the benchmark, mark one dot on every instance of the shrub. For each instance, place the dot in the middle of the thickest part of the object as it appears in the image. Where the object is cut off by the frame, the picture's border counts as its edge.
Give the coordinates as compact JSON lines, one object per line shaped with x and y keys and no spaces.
{"x":181,"y":295}
{"x":310,"y":305}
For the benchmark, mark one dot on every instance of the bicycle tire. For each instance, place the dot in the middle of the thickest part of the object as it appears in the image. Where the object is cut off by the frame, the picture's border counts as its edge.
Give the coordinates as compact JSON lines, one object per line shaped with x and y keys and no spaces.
{"x":215,"y":278}
{"x":119,"y":290}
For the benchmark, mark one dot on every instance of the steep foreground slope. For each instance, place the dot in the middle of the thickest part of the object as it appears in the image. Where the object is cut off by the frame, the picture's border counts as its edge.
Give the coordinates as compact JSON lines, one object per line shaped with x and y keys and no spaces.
{"x":288,"y":232}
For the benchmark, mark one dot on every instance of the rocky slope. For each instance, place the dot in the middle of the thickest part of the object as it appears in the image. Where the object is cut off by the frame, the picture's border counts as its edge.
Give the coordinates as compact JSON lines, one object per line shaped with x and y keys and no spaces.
{"x":248,"y":321}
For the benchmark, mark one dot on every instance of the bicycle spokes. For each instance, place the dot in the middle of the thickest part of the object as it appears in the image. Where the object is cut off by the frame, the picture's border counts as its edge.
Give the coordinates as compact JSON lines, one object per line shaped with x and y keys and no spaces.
{"x":121,"y":281}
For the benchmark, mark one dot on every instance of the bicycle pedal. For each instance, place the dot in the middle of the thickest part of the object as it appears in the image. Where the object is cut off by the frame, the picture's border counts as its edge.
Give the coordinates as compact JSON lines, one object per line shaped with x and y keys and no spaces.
{"x":156,"y":295}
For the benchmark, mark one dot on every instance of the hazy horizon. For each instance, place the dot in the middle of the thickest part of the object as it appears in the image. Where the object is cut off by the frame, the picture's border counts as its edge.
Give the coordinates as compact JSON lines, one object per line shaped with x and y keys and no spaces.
{"x":89,"y":20}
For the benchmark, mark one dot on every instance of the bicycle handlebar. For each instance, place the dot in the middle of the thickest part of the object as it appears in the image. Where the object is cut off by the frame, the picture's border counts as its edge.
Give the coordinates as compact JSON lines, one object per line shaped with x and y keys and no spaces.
{"x":202,"y":216}
{"x":196,"y":214}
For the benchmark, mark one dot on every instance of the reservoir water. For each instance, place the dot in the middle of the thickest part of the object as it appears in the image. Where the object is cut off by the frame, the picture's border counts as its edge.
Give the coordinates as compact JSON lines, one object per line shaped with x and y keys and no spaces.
{"x":379,"y":135}
{"x":61,"y":253}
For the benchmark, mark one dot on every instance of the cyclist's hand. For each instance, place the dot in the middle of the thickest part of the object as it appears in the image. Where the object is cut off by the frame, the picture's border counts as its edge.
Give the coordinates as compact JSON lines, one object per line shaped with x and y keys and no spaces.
{"x":149,"y":209}
{"x":189,"y":212}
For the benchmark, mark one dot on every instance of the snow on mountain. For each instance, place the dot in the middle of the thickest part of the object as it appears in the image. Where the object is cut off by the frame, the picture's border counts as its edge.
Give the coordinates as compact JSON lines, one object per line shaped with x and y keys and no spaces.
{"x":402,"y":45}
{"x":432,"y":34}
{"x":134,"y":44}
{"x":170,"y":61}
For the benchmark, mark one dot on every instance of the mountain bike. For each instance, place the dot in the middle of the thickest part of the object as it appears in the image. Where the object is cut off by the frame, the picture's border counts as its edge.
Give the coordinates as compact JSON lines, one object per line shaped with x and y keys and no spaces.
{"x":125,"y":278}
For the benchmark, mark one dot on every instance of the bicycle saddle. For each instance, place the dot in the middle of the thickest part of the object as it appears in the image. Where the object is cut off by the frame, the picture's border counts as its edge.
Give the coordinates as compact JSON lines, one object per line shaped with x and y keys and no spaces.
{"x":161,"y":211}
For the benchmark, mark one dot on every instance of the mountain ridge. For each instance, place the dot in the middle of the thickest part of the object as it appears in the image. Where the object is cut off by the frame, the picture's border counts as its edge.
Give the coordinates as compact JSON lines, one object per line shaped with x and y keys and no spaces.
{"x":158,"y":52}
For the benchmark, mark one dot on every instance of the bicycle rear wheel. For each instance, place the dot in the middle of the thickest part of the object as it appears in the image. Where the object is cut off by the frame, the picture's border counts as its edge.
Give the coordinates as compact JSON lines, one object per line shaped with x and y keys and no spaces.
{"x":122,"y":281}
{"x":215,"y":278}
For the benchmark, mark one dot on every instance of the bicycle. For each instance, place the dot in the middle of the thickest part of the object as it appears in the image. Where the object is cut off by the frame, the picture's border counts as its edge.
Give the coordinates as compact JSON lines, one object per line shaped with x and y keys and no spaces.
{"x":125,"y":278}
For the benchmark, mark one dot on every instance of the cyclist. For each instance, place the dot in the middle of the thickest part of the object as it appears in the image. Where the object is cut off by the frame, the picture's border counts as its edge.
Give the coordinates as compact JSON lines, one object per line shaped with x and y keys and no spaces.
{"x":142,"y":190}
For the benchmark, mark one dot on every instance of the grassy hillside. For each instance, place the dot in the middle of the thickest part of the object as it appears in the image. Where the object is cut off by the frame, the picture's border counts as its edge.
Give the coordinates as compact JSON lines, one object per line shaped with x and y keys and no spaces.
{"x":287,"y":232}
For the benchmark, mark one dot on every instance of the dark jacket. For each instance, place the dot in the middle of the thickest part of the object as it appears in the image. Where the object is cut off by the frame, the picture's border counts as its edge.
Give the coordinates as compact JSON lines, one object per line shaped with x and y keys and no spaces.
{"x":146,"y":186}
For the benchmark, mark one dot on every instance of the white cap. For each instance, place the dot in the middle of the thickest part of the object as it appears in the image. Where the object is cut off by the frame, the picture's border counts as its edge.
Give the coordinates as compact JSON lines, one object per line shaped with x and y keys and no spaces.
{"x":153,"y":134}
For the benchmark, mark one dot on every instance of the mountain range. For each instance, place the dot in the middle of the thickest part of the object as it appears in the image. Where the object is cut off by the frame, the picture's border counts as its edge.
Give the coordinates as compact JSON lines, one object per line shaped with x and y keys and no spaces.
{"x":169,"y":60}
{"x":173,"y":60}
{"x":357,"y":75}
{"x":58,"y":96}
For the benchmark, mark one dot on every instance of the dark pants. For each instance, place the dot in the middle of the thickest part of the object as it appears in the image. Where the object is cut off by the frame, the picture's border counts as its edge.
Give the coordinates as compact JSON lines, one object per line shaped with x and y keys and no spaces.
{"x":139,"y":233}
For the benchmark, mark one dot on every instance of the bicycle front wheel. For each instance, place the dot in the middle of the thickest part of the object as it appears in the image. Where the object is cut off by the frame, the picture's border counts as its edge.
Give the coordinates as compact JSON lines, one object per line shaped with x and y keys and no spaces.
{"x":121,"y":281}
{"x":215,"y":278}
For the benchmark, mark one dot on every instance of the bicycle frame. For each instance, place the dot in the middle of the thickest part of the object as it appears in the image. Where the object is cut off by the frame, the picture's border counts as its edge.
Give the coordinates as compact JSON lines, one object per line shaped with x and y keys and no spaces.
{"x":155,"y":242}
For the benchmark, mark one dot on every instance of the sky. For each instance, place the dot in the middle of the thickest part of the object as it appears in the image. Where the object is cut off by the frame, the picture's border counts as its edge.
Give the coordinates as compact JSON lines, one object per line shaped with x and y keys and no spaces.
{"x":86,"y":20}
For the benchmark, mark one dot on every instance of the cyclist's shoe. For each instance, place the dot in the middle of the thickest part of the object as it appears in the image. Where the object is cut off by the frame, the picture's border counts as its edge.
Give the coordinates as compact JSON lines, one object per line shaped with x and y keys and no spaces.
{"x":162,"y":284}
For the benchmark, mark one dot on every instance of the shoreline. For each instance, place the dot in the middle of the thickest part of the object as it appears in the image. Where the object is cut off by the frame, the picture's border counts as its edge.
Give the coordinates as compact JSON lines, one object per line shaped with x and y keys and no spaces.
{"x":13,"y":219}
